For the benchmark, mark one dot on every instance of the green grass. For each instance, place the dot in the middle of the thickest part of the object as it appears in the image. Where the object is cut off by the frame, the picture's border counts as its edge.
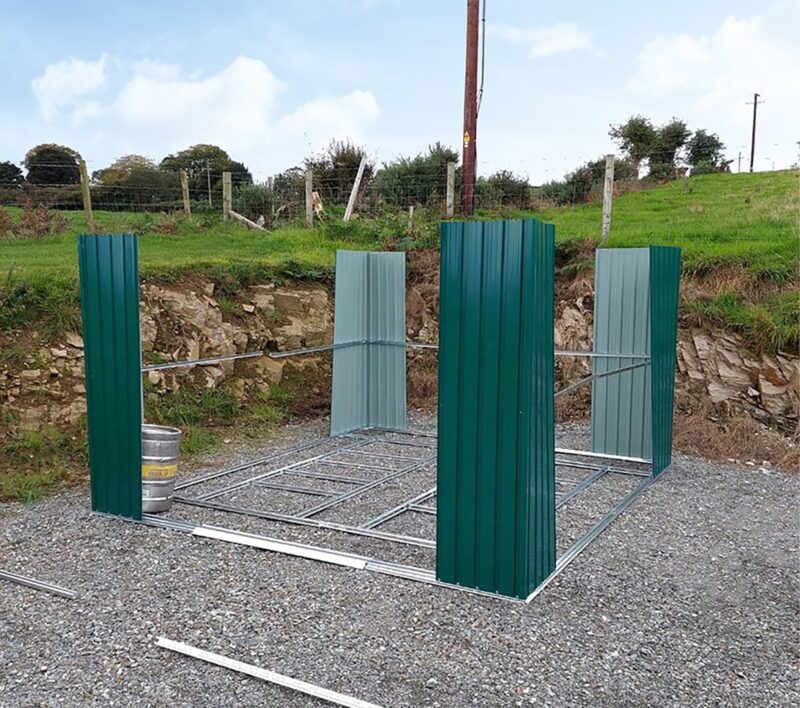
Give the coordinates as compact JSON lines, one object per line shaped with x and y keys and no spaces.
{"x":39,"y":462}
{"x":768,"y":326}
{"x":199,"y":244}
{"x":745,"y":221}
{"x":748,"y":220}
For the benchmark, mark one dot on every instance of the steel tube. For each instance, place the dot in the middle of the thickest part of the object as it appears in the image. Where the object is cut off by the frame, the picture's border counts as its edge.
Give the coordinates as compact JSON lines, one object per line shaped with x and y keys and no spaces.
{"x":314,"y":523}
{"x":292,"y":488}
{"x":584,"y":541}
{"x":599,"y":355}
{"x":273,"y":473}
{"x":598,"y":375}
{"x":581,"y":486}
{"x":37,"y":584}
{"x":323,"y":506}
{"x":609,"y":456}
{"x":201,"y":362}
{"x":399,"y":509}
{"x":230,"y":470}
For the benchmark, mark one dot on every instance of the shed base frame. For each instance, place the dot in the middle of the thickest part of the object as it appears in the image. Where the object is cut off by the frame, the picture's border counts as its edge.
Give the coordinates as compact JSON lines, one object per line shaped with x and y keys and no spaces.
{"x":375,"y":460}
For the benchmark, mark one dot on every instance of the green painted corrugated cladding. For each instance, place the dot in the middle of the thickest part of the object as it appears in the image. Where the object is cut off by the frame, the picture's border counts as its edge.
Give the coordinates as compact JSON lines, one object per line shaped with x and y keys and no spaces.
{"x":369,"y":378}
{"x":496,"y":473}
{"x":665,"y":278}
{"x":109,"y":280}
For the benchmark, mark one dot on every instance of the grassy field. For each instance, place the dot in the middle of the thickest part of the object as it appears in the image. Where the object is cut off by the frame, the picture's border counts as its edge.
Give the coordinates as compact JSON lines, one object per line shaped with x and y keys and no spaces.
{"x":742,"y":227}
{"x":718,"y":220}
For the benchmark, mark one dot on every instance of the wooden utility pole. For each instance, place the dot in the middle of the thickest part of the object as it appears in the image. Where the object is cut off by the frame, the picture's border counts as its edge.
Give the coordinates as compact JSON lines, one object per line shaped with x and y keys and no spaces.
{"x":187,"y":205}
{"x":348,"y":212}
{"x":608,"y":196}
{"x":87,"y":196}
{"x":753,"y":138}
{"x":227,"y":195}
{"x":451,"y":189}
{"x":470,"y":109}
{"x":309,"y":199}
{"x":208,"y":178}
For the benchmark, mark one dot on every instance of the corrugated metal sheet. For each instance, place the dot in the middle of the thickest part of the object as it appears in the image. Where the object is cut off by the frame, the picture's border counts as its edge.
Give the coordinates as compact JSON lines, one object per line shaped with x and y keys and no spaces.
{"x":109,"y":279}
{"x":369,"y":378}
{"x":665,"y":277}
{"x":496,"y":496}
{"x":621,"y":405}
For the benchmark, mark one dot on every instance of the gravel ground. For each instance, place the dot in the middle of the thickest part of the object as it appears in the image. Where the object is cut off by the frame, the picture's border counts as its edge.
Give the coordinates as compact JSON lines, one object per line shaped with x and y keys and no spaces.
{"x":691,"y":597}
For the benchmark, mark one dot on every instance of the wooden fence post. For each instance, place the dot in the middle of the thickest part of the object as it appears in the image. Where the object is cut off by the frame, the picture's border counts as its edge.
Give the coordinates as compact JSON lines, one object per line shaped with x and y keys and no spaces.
{"x":451,"y":189}
{"x":227,"y":195}
{"x":87,"y":196}
{"x":309,"y":198}
{"x":187,"y":205}
{"x":348,"y":212}
{"x":608,"y":195}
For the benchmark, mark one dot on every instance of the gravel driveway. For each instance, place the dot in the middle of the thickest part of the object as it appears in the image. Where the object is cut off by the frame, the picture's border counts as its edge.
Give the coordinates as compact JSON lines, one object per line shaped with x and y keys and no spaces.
{"x":690,"y":598}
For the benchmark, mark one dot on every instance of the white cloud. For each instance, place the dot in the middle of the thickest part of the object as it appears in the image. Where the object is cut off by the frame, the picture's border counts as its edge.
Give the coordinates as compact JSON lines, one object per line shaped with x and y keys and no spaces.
{"x":547,"y":40}
{"x":63,"y":83}
{"x":714,"y":74}
{"x":158,"y":110}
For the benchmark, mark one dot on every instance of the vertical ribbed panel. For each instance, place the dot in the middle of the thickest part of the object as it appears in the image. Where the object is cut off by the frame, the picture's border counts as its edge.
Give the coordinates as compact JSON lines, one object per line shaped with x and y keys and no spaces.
{"x":621,"y":405}
{"x":496,"y":498}
{"x":369,"y":378}
{"x":109,"y":279}
{"x":665,"y":278}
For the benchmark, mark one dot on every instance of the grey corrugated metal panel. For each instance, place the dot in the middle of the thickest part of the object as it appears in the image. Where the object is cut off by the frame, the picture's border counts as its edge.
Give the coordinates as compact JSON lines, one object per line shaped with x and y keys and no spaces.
{"x":369,"y":380}
{"x":109,"y":283}
{"x":386,"y":363}
{"x":621,"y":406}
{"x":496,"y":498}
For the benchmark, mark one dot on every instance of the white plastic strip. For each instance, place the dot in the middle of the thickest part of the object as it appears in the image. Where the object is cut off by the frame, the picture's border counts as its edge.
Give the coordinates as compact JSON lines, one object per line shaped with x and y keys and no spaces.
{"x":292,"y":549}
{"x":265,"y":675}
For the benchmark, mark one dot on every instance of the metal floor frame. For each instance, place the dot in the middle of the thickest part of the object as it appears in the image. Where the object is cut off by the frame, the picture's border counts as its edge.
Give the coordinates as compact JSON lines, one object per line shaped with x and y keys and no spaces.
{"x":280,"y":478}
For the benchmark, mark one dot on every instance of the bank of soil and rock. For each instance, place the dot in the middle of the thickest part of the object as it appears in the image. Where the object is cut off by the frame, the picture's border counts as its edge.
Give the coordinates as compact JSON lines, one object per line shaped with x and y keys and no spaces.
{"x":719,"y":382}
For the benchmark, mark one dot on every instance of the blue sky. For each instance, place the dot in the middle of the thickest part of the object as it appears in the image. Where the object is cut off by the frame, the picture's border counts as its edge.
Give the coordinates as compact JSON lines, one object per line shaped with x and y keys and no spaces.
{"x":272,"y":81}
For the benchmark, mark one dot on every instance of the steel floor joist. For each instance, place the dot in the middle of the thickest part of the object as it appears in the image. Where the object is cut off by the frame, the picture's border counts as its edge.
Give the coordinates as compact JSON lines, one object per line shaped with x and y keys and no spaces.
{"x":367,"y":451}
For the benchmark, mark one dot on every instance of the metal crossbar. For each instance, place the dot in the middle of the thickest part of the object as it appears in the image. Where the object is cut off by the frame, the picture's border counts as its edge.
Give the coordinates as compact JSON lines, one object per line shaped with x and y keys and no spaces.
{"x":600,"y":375}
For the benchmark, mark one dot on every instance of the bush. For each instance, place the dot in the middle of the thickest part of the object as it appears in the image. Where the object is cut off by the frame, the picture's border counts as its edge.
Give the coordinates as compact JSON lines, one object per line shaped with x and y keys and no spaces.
{"x":415,"y":180}
{"x":335,"y":169}
{"x":254,"y":200}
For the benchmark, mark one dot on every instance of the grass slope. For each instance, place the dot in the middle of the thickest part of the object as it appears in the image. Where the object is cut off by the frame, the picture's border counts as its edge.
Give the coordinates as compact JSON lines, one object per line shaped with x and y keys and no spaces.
{"x":718,"y":220}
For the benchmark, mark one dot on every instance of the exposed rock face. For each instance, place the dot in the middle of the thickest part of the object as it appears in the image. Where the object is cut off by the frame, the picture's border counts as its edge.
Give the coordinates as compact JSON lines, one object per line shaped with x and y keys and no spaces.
{"x":176,"y":324}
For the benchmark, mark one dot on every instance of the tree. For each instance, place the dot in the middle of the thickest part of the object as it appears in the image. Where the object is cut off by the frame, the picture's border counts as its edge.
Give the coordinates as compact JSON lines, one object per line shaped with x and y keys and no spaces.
{"x":670,"y":138}
{"x":202,"y":162}
{"x":11,"y":176}
{"x":135,"y":181}
{"x":503,"y":188}
{"x":636,"y":137}
{"x":335,"y":170}
{"x":409,"y":180}
{"x":705,"y":149}
{"x":50,"y":164}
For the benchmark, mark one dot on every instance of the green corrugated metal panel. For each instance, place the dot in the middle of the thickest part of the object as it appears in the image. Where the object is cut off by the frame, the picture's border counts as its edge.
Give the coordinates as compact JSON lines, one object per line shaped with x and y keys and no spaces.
{"x":496,"y":475}
{"x":621,"y":410}
{"x":665,"y":278}
{"x":109,"y":277}
{"x":369,"y":378}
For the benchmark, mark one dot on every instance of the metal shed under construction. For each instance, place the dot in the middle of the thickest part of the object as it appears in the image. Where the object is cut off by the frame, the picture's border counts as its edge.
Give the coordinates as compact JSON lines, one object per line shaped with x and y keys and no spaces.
{"x":500,"y":481}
